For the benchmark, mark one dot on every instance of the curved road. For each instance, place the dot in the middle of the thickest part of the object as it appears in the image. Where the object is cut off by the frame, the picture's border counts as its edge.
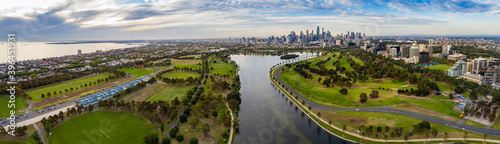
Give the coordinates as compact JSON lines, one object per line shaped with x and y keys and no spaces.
{"x":385,"y":109}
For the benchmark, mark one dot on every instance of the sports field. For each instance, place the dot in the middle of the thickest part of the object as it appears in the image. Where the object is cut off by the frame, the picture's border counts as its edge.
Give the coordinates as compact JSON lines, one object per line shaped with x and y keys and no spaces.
{"x":222,"y":68}
{"x":443,"y":67}
{"x":194,"y":66}
{"x":36,"y":93}
{"x":180,"y":74}
{"x":138,"y":72}
{"x":196,"y":56}
{"x":170,"y":92}
{"x":330,"y":96}
{"x":102,"y":127}
{"x":5,"y":110}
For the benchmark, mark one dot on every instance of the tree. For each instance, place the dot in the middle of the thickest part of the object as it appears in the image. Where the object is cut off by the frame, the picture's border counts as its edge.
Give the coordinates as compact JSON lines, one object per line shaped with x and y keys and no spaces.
{"x":48,"y":127}
{"x":406,"y":138}
{"x":422,"y":126}
{"x":162,"y":127}
{"x":465,"y":136}
{"x":445,"y":136}
{"x":194,"y":122}
{"x":386,"y":137}
{"x":151,"y":138}
{"x":319,"y":79}
{"x":374,"y":94}
{"x":215,"y":114}
{"x":343,"y":129}
{"x":166,"y":140}
{"x":473,"y":95}
{"x":205,"y":129}
{"x":36,"y":137}
{"x":426,"y":136}
{"x":450,"y":96}
{"x":363,"y":98}
{"x":434,"y":132}
{"x":343,"y":91}
{"x":485,"y":136}
{"x":183,"y":118}
{"x":386,"y":129}
{"x":193,"y":140}
{"x":319,"y":114}
{"x":43,"y":96}
{"x":179,"y":138}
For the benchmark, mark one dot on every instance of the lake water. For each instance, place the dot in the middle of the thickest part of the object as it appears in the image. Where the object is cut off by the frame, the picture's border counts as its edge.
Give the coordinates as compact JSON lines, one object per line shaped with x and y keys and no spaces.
{"x":37,"y":50}
{"x":265,"y":115}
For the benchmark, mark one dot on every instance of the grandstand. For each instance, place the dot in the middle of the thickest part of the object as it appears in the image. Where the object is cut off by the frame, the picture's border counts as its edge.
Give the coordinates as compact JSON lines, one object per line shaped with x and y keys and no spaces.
{"x":94,"y":98}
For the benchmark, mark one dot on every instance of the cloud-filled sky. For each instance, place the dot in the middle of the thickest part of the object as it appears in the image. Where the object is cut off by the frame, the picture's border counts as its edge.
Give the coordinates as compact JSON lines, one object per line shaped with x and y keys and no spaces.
{"x":60,"y":20}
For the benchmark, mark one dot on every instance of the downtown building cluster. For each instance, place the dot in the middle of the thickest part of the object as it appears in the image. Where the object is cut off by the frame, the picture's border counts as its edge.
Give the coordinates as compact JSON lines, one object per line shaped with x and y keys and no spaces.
{"x":311,"y":38}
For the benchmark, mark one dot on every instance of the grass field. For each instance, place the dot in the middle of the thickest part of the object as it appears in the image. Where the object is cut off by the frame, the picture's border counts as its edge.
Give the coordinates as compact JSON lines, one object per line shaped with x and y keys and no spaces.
{"x":145,"y":93}
{"x":138,"y":72}
{"x":443,"y":67}
{"x":216,"y":128}
{"x":180,"y":74}
{"x":320,"y":94}
{"x":194,"y":66}
{"x":496,"y":125}
{"x":5,"y":110}
{"x":35,"y":93}
{"x":184,"y":61}
{"x":170,"y":92}
{"x":355,"y":119}
{"x":222,"y":68}
{"x":102,"y":127}
{"x":196,"y":56}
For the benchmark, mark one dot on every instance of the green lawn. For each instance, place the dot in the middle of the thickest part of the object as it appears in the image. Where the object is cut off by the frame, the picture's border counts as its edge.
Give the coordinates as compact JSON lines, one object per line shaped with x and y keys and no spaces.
{"x":473,"y":123}
{"x":355,"y":119}
{"x":196,"y":56}
{"x":496,"y":125}
{"x":5,"y":110}
{"x":180,"y":74}
{"x":331,"y":96}
{"x":138,"y":72}
{"x":36,"y":93}
{"x":443,"y":87}
{"x":102,"y":127}
{"x":222,"y":68}
{"x":194,"y":66}
{"x":169,"y":93}
{"x":443,"y":67}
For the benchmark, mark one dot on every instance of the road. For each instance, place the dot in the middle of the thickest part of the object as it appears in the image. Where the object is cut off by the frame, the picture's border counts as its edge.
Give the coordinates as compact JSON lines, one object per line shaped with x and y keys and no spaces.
{"x":36,"y":116}
{"x":385,"y":109}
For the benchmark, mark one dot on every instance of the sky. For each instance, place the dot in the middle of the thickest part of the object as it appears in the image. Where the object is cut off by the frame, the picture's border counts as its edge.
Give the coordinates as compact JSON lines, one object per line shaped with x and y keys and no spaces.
{"x":68,"y":20}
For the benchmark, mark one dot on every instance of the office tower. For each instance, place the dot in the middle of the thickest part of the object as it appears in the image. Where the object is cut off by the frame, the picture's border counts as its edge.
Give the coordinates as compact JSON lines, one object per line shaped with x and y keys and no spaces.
{"x":79,"y":52}
{"x":405,"y":52}
{"x":475,"y":66}
{"x":322,"y":33}
{"x":317,"y":33}
{"x":393,"y":52}
{"x":423,"y":57}
{"x":446,"y":50}
{"x":414,"y":50}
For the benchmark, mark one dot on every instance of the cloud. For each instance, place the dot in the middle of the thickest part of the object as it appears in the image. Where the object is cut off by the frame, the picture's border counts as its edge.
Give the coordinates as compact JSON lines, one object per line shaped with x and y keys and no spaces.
{"x":60,"y":18}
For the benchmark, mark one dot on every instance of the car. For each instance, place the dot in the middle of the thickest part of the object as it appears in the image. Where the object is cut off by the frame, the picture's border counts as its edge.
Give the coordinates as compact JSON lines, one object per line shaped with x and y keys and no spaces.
{"x":438,"y":93}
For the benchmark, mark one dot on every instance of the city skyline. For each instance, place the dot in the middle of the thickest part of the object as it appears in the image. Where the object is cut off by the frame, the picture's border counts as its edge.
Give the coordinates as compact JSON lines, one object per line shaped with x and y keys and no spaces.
{"x":124,"y":20}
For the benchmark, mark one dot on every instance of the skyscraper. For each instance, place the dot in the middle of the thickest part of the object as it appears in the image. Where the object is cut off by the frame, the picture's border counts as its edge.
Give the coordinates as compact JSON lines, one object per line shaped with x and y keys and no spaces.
{"x":414,"y":50}
{"x":317,"y":33}
{"x":79,"y":52}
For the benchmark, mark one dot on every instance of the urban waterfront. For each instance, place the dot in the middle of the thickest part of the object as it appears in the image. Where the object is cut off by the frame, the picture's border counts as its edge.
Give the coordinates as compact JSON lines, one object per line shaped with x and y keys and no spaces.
{"x":39,"y":50}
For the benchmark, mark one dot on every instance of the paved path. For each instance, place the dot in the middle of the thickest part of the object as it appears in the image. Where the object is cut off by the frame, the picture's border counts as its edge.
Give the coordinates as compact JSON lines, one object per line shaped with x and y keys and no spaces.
{"x":40,"y":132}
{"x":386,"y":109}
{"x":231,"y":130}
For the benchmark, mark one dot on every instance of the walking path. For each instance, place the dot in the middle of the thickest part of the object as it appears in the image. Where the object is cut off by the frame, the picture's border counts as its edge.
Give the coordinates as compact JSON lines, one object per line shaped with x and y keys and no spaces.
{"x":231,"y":130}
{"x":275,"y":73}
{"x":40,"y":132}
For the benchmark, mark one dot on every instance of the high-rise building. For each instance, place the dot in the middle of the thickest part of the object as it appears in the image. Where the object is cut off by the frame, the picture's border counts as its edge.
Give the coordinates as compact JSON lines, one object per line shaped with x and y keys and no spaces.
{"x":458,"y":69}
{"x":445,"y":50}
{"x":317,"y":34}
{"x":414,"y":50}
{"x":423,"y":57}
{"x":405,"y":52}
{"x":475,"y":66}
{"x":79,"y":52}
{"x":394,"y":52}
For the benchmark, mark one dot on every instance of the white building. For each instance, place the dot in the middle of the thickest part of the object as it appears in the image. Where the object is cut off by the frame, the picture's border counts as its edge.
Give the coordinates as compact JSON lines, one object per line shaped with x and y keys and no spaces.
{"x":394,"y":52}
{"x":414,"y":50}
